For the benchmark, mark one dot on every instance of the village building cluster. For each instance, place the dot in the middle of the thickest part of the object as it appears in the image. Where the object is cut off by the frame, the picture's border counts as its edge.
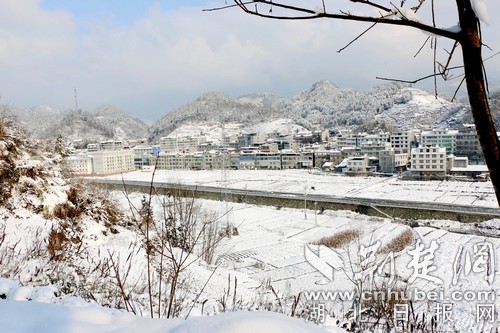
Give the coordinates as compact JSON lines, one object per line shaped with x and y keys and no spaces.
{"x":419,"y":153}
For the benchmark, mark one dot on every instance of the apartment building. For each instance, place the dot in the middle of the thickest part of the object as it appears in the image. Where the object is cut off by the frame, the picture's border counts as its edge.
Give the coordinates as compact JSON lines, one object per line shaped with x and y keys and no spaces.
{"x":404,"y":141}
{"x":248,"y":159}
{"x":193,"y":161}
{"x":391,"y":161}
{"x":468,"y":145}
{"x":358,"y":139}
{"x":440,"y":137}
{"x":170,"y":161}
{"x":142,"y":156}
{"x":327,"y":156}
{"x":270,"y":147}
{"x":185,"y":144}
{"x":80,"y":164}
{"x":359,"y":164}
{"x":250,"y":139}
{"x":208,"y":146}
{"x":459,"y":166}
{"x":111,"y":145}
{"x":373,"y":148}
{"x":290,"y":159}
{"x":267,"y":160}
{"x":428,"y":161}
{"x":92,"y":147}
{"x":112,"y":161}
{"x":197,"y":161}
{"x":346,"y":140}
{"x":216,"y":160}
{"x":308,"y":137}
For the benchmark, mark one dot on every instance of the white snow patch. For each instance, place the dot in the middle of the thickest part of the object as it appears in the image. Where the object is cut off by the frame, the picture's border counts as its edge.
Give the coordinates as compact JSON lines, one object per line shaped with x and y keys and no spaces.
{"x":408,"y":14}
{"x":24,"y":317}
{"x":21,"y":293}
{"x":481,"y":10}
{"x":319,"y":10}
{"x":454,"y":28}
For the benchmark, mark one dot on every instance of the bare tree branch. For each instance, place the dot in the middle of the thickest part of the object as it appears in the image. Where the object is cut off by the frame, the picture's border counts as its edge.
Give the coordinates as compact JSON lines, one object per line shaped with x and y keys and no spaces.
{"x":366,"y":2}
{"x":435,"y":68}
{"x":458,"y":88}
{"x":417,"y":80}
{"x":421,"y":47}
{"x":355,"y":39}
{"x":309,"y":14}
{"x":415,"y":9}
{"x":224,"y":7}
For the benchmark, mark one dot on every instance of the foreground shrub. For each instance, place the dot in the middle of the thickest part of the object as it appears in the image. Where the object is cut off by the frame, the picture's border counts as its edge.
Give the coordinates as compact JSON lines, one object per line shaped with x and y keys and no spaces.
{"x":339,"y":239}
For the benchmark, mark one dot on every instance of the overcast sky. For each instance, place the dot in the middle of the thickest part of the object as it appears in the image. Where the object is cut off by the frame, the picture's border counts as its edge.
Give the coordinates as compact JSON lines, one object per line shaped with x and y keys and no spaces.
{"x":149,"y":57}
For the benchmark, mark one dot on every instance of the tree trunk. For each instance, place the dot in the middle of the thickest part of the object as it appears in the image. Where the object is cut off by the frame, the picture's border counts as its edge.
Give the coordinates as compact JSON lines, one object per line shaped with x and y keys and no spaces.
{"x":473,"y":68}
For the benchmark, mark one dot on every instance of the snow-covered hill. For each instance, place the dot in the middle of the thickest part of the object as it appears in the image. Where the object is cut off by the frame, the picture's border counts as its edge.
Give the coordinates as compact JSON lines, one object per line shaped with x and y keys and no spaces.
{"x":214,"y":131}
{"x":323,"y":105}
{"x":218,"y":108}
{"x":105,"y":123}
{"x":414,"y":108}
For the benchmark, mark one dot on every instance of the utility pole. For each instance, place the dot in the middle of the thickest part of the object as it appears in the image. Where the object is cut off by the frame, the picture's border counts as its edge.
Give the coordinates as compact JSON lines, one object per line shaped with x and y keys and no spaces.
{"x":76,"y":100}
{"x":226,"y":162}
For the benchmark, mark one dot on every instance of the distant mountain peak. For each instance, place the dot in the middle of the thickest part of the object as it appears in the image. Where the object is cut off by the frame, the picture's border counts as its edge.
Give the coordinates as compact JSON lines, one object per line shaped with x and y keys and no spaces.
{"x":323,"y":84}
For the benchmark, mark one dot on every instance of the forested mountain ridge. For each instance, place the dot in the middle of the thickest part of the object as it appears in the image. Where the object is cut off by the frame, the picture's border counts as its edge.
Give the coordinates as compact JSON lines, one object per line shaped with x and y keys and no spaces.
{"x":104,"y":123}
{"x":323,"y":105}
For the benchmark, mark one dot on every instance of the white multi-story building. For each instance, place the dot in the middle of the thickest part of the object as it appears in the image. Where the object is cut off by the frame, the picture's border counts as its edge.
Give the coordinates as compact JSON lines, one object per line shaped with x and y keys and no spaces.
{"x":216,"y":160}
{"x":259,"y":160}
{"x":440,"y":137}
{"x":142,"y":150}
{"x":142,"y":156}
{"x":185,"y":144}
{"x":193,"y":161}
{"x":359,"y":164}
{"x":169,"y":161}
{"x":197,"y":161}
{"x":404,"y":141}
{"x":359,"y":139}
{"x":111,"y":145}
{"x":373,"y":148}
{"x":391,"y":161}
{"x":247,"y":160}
{"x":468,"y":145}
{"x":80,"y":164}
{"x":250,"y":139}
{"x":290,"y":159}
{"x":347,"y":140}
{"x":92,"y":147}
{"x":265,"y":160}
{"x":112,"y":161}
{"x":428,"y":161}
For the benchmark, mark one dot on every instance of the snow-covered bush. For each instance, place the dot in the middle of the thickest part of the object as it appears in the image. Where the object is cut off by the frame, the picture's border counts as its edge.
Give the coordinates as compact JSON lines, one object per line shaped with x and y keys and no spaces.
{"x":340,"y":239}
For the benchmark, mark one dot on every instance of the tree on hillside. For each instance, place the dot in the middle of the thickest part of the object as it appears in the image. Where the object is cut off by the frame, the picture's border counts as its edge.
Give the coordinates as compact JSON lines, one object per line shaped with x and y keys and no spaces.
{"x":466,"y":37}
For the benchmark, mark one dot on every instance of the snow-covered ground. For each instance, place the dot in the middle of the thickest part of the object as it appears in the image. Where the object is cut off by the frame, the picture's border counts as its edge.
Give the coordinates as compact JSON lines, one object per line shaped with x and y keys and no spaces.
{"x":296,"y":181}
{"x":77,"y":316}
{"x":268,"y":264}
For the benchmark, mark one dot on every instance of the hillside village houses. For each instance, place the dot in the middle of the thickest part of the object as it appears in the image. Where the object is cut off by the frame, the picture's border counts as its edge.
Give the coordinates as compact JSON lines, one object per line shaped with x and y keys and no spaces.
{"x":422,"y":153}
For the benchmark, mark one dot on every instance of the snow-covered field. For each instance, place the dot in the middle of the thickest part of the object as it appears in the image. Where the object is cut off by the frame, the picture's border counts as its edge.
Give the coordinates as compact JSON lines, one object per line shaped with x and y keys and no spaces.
{"x":275,"y":260}
{"x":296,"y":181}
